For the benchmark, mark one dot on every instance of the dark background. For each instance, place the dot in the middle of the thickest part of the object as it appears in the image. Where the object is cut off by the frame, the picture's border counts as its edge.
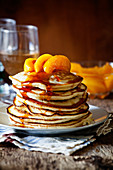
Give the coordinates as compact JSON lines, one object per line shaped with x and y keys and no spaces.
{"x":79,"y":29}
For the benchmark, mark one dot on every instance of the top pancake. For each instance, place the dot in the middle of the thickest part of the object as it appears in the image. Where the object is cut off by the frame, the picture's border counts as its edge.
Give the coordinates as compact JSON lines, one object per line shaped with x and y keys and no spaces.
{"x":58,"y":81}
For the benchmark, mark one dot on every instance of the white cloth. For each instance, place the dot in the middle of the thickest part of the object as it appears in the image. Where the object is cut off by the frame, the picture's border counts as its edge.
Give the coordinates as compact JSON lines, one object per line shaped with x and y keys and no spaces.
{"x":65,"y":145}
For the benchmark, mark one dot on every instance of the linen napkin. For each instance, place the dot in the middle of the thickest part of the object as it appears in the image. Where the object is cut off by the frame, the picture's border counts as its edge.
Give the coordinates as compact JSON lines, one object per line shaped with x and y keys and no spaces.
{"x":64,"y":144}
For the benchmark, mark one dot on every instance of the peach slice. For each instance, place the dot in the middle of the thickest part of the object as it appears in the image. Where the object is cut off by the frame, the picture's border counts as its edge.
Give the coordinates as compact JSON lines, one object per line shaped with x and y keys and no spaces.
{"x":75,"y":67}
{"x":109,"y":82}
{"x":95,"y":84}
{"x":105,"y":69}
{"x":29,"y":64}
{"x":57,"y":62}
{"x":40,"y":62}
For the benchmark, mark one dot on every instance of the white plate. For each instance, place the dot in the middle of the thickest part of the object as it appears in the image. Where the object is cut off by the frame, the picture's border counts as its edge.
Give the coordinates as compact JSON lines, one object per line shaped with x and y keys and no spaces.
{"x":99,"y":116}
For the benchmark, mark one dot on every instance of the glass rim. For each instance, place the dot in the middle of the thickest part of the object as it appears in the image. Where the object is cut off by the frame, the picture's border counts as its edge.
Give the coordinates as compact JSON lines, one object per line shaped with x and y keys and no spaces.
{"x":8,"y":20}
{"x":23,"y":29}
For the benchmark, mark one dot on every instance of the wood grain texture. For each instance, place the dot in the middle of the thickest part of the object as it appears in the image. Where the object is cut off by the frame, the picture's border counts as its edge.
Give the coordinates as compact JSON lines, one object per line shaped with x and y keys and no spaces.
{"x":95,"y":156}
{"x":82,"y":30}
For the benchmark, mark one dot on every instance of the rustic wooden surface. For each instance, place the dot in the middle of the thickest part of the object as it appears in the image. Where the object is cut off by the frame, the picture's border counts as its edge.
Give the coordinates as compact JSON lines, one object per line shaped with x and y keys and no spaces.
{"x":98,"y":155}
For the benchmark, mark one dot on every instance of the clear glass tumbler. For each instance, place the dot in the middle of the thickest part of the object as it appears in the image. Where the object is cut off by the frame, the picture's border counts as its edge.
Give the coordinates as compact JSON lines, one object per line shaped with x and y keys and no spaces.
{"x":16,"y":46}
{"x":10,"y":24}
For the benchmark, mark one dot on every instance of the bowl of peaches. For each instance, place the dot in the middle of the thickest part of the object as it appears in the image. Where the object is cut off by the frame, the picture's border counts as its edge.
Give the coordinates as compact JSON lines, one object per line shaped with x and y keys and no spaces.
{"x":97,"y":76}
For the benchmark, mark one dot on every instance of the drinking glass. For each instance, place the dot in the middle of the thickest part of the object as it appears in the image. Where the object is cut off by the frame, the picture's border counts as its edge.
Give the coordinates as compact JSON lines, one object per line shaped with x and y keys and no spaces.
{"x":9,"y":24}
{"x":16,"y":46}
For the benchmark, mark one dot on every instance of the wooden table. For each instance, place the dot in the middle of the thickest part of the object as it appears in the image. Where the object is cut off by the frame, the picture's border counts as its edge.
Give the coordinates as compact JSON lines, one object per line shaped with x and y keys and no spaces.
{"x":98,"y":155}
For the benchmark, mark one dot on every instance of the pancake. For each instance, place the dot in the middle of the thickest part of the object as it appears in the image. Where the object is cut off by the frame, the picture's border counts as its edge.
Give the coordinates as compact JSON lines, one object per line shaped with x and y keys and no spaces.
{"x":35,"y":110}
{"x":47,"y":101}
{"x":23,"y":111}
{"x":67,"y":105}
{"x":53,"y":82}
{"x":40,"y":118}
{"x":69,"y":124}
{"x":39,"y":94}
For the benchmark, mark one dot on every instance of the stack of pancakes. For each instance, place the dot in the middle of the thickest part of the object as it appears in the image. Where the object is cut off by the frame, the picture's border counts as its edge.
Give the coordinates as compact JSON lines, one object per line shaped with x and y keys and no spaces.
{"x":50,"y":101}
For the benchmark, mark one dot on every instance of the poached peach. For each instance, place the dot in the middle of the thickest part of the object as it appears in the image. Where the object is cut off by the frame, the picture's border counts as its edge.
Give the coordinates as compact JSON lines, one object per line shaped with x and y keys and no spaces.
{"x":38,"y":66}
{"x":29,"y":64}
{"x":57,"y":62}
